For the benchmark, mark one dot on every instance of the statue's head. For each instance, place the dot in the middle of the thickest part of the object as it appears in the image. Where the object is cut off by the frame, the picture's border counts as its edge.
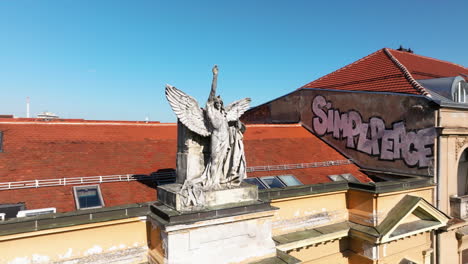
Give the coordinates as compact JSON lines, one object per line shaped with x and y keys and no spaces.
{"x":218,"y":103}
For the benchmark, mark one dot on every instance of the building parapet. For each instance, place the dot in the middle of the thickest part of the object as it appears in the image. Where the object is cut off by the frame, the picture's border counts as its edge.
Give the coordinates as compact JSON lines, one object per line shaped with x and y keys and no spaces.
{"x":57,"y":220}
{"x":81,"y":217}
{"x":393,"y":186}
{"x":374,"y":187}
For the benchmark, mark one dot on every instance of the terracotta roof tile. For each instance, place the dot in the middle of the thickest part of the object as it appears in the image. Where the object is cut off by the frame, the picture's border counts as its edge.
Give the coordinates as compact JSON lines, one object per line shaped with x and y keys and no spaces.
{"x":292,"y":144}
{"x":388,"y":70}
{"x":422,"y":67}
{"x":35,"y":150}
{"x":375,"y":72}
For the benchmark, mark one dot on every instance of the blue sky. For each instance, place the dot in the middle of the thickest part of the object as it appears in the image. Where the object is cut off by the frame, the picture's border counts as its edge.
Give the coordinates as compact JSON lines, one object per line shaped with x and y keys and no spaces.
{"x":110,"y":59}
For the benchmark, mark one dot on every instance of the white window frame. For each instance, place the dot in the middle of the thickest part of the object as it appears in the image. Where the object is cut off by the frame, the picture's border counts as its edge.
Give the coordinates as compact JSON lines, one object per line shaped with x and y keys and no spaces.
{"x":263,"y":182}
{"x":35,"y":212}
{"x":346,"y":177}
{"x":77,"y":200}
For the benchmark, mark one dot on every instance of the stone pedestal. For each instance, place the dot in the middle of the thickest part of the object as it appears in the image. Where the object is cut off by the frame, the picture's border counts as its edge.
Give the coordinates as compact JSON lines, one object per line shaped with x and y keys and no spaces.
{"x":169,"y":195}
{"x":234,"y":228}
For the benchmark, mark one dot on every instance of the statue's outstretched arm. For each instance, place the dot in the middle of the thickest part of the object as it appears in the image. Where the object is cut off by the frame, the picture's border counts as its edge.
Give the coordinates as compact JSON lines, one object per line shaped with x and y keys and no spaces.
{"x":213,"y":84}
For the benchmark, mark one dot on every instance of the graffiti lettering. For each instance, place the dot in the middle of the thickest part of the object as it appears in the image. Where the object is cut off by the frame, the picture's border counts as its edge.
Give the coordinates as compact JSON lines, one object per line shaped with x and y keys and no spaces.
{"x":373,"y":138}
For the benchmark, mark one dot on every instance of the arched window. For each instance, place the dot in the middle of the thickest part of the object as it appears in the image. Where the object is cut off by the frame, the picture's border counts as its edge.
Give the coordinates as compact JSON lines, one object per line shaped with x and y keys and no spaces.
{"x":460,"y":94}
{"x":463,"y":174}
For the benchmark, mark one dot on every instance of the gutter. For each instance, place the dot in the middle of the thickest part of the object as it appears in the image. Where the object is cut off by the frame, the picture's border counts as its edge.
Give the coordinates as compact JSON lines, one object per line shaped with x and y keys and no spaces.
{"x":436,"y":181}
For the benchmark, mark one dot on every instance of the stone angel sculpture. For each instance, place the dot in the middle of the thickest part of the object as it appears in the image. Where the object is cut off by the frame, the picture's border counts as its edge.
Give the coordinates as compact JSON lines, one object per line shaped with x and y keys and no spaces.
{"x":226,"y":165}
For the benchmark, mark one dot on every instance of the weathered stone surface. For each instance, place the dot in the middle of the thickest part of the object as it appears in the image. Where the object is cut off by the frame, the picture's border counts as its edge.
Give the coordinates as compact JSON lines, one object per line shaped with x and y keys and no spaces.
{"x":459,"y":206}
{"x":210,"y":148}
{"x":192,"y":154}
{"x":242,"y":238}
{"x":170,"y":195}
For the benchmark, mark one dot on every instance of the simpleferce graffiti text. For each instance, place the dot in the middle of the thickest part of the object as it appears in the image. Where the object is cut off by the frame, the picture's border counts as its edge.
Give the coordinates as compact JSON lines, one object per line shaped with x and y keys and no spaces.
{"x":373,"y":138}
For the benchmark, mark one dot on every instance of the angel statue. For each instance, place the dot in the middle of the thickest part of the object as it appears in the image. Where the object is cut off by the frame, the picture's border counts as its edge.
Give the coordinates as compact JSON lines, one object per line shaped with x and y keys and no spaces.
{"x":226,"y":166}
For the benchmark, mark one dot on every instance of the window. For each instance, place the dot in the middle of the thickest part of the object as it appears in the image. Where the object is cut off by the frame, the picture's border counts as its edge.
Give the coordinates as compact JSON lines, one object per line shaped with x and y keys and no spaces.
{"x":256,"y":181}
{"x":461,"y":94}
{"x":272,"y":182}
{"x":268,"y":182}
{"x":343,"y":177}
{"x":87,"y":197}
{"x":290,"y":180}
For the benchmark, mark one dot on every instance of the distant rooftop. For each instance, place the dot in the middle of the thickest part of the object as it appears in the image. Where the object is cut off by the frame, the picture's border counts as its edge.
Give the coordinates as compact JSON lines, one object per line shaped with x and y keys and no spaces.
{"x":12,"y":119}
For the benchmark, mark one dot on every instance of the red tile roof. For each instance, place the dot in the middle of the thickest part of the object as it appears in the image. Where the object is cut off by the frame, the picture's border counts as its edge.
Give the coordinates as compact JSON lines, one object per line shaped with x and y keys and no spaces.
{"x":422,"y":67}
{"x":387,"y":70}
{"x":46,"y":150}
{"x":290,"y":144}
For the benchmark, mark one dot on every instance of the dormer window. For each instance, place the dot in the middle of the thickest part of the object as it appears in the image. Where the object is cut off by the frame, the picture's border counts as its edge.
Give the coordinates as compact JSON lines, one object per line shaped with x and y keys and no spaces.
{"x":460,"y":94}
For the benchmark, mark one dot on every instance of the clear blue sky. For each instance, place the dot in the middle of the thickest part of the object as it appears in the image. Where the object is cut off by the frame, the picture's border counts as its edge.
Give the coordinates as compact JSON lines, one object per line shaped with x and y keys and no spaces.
{"x":110,"y":59}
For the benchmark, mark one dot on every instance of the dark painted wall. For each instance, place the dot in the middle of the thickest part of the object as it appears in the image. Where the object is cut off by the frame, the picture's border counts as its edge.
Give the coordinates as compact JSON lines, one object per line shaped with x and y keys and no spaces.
{"x":379,"y":131}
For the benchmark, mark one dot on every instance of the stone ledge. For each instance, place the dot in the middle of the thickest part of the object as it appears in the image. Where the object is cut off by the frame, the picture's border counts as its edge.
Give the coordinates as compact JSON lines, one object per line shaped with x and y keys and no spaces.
{"x":170,"y":216}
{"x":169,"y":195}
{"x":81,"y":217}
{"x":312,"y":236}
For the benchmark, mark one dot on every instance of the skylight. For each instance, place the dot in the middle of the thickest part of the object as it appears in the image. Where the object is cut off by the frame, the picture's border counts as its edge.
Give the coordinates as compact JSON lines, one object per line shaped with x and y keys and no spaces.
{"x":279,"y":181}
{"x":87,"y":197}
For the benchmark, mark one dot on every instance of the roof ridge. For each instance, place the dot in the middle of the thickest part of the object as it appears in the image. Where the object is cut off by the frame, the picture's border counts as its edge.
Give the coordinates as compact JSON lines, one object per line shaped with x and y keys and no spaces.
{"x":344,"y":67}
{"x":406,"y":73}
{"x":426,"y":57}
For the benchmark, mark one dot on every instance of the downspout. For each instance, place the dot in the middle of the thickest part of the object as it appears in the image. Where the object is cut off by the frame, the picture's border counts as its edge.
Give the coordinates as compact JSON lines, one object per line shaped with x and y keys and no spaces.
{"x":436,"y":181}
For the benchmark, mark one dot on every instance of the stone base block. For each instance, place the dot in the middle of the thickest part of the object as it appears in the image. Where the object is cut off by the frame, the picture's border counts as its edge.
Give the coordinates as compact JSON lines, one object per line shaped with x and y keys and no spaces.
{"x":169,"y":195}
{"x":240,"y":237}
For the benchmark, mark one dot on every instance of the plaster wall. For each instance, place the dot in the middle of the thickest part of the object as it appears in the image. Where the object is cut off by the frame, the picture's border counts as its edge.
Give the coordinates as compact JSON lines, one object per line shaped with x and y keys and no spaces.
{"x":358,"y":259}
{"x":412,"y":248}
{"x":119,"y":241}
{"x":452,"y":141}
{"x":449,"y":248}
{"x":386,"y":201}
{"x":453,"y":118}
{"x":370,"y":209}
{"x":403,"y":246}
{"x":451,"y":148}
{"x":298,"y":213}
{"x":414,"y":254}
{"x":361,"y":206}
{"x":363,"y":248}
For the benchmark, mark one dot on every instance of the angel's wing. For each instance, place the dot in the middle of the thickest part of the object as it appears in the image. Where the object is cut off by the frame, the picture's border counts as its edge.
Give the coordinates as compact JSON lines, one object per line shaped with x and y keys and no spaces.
{"x":237,"y":108}
{"x":187,"y":110}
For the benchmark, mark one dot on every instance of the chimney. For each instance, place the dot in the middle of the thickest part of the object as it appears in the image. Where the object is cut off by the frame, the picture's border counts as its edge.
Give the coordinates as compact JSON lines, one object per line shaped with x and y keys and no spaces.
{"x":27,"y":107}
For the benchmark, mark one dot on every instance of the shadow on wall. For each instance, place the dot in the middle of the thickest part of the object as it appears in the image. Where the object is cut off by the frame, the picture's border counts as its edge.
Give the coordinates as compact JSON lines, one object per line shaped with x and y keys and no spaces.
{"x":159,"y":177}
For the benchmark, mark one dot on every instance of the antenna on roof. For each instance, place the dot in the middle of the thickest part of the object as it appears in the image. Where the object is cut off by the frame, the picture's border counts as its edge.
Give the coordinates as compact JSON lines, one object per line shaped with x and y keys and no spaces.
{"x":27,"y":107}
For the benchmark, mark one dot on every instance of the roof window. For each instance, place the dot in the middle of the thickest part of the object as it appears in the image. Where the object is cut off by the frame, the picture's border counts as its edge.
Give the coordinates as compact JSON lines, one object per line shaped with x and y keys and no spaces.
{"x":256,"y":181}
{"x":87,"y":197}
{"x":343,"y":177}
{"x":279,"y":181}
{"x":460,"y":94}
